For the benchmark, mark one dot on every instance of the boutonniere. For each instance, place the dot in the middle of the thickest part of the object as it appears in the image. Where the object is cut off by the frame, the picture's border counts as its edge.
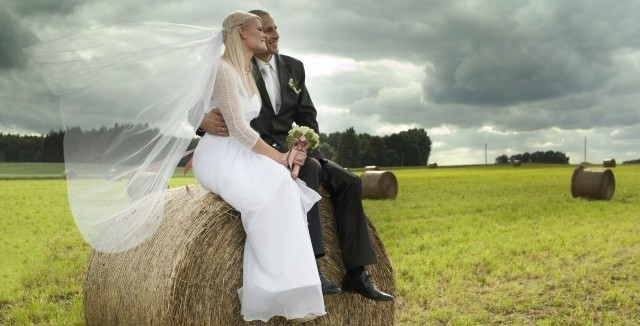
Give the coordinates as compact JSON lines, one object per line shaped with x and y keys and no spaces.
{"x":292,"y":85}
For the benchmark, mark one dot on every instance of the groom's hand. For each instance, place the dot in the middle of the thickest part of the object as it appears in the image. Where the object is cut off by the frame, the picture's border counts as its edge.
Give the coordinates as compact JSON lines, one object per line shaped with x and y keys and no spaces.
{"x":213,"y":123}
{"x":300,"y":157}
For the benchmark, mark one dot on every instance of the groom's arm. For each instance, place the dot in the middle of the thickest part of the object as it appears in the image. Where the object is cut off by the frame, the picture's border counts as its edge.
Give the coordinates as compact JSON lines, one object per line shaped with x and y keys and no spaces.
{"x":306,"y":113}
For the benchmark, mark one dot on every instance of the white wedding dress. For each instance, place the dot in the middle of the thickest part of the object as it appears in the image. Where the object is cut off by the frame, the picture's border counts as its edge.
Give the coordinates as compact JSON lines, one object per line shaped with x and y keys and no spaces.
{"x":280,"y":276}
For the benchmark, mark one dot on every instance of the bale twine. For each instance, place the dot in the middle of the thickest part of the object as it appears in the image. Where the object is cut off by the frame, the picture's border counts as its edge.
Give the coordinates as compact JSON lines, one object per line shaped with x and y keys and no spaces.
{"x":189,"y":271}
{"x":371,"y":168}
{"x":517,"y":163}
{"x":592,"y":183}
{"x":432,"y":165}
{"x":610,"y":163}
{"x":379,"y":185}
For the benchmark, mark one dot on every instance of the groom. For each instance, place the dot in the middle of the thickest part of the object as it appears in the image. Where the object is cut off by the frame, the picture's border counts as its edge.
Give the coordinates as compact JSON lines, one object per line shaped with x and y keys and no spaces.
{"x":285,"y":100}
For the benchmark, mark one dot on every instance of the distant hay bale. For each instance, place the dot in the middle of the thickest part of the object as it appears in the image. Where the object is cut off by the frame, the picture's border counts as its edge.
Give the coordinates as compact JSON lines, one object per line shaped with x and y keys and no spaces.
{"x":371,"y":168}
{"x":189,"y":271}
{"x":432,"y":165}
{"x":610,"y":163}
{"x":592,"y":183}
{"x":69,"y":174}
{"x":379,"y":185}
{"x":517,"y":163}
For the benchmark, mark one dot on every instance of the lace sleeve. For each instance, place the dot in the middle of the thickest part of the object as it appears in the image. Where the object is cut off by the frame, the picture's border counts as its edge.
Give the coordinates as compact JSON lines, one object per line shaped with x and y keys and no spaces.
{"x":227,"y":96}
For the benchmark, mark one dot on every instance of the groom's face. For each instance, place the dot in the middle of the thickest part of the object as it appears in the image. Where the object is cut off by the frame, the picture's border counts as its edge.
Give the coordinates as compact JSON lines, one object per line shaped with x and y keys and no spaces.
{"x":270,"y":30}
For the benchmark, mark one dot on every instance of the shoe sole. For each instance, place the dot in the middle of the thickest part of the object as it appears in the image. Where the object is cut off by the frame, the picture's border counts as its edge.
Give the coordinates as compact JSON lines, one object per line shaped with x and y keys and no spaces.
{"x":346,"y":289}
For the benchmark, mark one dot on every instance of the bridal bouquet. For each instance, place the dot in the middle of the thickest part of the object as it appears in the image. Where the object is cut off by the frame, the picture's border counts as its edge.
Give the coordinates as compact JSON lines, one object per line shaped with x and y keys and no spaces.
{"x":300,"y":138}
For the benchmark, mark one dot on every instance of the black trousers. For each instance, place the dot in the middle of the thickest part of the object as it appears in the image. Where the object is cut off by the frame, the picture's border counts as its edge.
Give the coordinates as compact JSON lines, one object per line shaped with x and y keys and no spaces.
{"x":346,"y":195}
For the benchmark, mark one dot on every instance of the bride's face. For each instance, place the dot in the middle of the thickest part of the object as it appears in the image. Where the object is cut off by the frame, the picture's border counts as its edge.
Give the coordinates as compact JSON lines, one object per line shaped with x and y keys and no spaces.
{"x":255,"y":39}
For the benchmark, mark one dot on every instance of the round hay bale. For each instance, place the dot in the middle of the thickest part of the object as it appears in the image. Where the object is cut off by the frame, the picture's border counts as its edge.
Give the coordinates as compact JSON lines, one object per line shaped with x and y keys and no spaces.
{"x":610,"y":163}
{"x":517,"y":163}
{"x":189,"y":271}
{"x":371,"y":168}
{"x":592,"y":183}
{"x":379,"y":185}
{"x":432,"y":165}
{"x":69,"y":174}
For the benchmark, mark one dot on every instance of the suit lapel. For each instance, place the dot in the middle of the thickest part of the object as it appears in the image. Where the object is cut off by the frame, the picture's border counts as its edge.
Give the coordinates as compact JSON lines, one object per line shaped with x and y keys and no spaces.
{"x":283,"y":76}
{"x":264,"y":95}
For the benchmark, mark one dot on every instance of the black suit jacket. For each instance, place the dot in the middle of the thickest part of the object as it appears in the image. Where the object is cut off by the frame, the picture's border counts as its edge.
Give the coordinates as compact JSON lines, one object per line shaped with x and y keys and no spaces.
{"x":295,"y":107}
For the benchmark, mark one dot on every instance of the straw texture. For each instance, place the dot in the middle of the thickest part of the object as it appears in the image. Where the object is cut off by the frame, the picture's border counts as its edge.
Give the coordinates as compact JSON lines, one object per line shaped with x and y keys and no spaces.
{"x":189,"y":271}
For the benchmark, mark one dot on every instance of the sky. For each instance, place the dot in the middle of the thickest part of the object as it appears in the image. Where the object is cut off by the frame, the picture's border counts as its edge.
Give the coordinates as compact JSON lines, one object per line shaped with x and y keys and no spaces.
{"x":518,"y":76}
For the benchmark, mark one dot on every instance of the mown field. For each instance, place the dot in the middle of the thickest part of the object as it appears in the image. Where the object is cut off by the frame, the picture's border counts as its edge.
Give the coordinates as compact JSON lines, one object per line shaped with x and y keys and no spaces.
{"x":471,"y":245}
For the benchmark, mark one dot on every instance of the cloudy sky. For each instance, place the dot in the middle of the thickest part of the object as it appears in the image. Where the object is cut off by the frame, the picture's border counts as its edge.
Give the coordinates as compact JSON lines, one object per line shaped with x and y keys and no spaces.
{"x":517,"y":75}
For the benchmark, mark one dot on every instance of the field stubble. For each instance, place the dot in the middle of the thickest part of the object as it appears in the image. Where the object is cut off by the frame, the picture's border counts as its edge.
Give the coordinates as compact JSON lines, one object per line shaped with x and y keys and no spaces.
{"x":474,"y":245}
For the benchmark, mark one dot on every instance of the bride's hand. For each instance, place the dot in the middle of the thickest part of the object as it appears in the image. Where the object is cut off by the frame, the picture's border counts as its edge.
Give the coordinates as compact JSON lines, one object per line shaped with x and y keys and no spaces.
{"x":300,"y":158}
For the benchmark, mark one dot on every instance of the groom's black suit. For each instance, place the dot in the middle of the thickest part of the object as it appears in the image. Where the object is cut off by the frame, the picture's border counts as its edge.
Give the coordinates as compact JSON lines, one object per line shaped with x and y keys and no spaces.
{"x":344,"y":186}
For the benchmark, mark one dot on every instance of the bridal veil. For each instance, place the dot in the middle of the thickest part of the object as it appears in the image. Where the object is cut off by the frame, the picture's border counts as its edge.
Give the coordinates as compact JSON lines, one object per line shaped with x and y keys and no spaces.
{"x":131,"y":97}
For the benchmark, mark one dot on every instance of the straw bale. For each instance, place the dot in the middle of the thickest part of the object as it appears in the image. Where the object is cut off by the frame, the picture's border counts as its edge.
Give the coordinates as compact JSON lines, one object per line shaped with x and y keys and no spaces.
{"x":379,"y":185}
{"x":189,"y":271}
{"x":610,"y":163}
{"x":592,"y":183}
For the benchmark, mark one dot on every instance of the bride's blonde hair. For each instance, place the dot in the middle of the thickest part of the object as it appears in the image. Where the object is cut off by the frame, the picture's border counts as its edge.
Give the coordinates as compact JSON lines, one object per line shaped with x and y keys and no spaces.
{"x":233,"y":45}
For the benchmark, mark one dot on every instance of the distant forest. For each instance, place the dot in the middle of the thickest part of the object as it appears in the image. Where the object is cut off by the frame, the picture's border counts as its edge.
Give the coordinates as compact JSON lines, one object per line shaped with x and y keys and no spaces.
{"x":535,"y":157}
{"x":349,"y":149}
{"x":542,"y":157}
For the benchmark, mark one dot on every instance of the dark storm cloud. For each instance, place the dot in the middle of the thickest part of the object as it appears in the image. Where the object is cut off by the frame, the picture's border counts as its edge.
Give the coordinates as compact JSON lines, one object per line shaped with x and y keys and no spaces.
{"x":14,"y":35}
{"x":36,"y":7}
{"x":485,"y":52}
{"x":535,"y":71}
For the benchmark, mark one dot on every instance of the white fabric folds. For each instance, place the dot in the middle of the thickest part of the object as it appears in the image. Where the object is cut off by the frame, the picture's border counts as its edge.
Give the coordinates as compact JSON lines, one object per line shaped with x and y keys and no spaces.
{"x":131,"y":97}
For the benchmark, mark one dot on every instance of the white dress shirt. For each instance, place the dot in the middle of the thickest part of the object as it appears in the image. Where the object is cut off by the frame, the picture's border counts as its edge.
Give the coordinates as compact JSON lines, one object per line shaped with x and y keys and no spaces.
{"x":275,"y":78}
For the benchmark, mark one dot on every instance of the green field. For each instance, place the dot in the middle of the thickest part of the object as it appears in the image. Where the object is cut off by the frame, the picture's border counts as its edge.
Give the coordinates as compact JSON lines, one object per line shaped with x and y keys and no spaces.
{"x":472,"y":245}
{"x":18,"y":171}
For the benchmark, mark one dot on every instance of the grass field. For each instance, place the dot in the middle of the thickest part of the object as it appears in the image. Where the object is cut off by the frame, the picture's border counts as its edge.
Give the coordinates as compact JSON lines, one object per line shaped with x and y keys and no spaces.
{"x":473,"y":245}
{"x":21,"y":171}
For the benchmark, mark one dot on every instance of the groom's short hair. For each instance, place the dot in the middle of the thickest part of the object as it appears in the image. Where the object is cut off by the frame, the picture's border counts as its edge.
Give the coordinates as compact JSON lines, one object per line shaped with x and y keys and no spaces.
{"x":259,"y":12}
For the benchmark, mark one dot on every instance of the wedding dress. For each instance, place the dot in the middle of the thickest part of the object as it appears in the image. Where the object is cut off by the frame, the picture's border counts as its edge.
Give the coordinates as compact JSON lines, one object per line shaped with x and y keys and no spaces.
{"x":280,"y":276}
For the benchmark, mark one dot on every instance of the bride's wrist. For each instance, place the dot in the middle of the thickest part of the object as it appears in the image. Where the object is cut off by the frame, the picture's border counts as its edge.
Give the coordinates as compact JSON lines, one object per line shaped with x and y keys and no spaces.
{"x":282,"y":159}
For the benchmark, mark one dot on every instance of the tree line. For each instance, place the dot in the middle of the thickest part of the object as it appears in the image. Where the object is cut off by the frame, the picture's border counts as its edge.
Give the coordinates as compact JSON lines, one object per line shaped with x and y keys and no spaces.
{"x":535,"y":157}
{"x":409,"y":148}
{"x":406,"y":148}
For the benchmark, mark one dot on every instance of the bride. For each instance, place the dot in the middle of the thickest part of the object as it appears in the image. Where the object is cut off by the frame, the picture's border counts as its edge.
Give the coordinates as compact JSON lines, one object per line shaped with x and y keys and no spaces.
{"x":279,"y":271}
{"x":143,"y":78}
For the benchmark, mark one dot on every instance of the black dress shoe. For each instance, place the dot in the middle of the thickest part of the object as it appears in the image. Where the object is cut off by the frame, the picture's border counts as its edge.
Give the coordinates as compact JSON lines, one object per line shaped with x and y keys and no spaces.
{"x":364,"y":286}
{"x":328,"y":288}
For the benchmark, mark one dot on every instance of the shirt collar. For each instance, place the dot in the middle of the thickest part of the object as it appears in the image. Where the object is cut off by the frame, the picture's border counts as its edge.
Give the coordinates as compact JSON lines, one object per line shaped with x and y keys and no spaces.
{"x":272,"y":62}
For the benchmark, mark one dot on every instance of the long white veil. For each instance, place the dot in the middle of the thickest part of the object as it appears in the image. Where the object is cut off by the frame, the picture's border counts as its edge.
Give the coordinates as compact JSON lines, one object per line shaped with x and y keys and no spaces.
{"x":131,"y":97}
